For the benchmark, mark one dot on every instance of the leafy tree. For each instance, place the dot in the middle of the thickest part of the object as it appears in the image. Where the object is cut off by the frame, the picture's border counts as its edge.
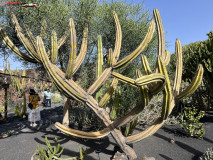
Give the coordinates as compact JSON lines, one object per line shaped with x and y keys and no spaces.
{"x":134,"y":20}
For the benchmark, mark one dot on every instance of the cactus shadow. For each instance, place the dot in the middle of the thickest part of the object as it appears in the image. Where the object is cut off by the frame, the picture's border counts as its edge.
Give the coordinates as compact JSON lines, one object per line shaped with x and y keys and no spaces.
{"x":176,"y":131}
{"x":165,"y":157}
{"x":182,"y":145}
{"x":207,"y":139}
{"x":208,"y":118}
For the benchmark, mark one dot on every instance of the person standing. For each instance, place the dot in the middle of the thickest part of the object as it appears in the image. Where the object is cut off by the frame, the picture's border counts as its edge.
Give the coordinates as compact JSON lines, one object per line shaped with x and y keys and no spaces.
{"x":34,"y":114}
{"x":44,"y":99}
{"x":48,"y":98}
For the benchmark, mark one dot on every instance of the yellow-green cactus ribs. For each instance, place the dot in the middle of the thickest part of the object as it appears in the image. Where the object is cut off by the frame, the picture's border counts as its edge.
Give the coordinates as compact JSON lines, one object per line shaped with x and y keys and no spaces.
{"x":71,"y":63}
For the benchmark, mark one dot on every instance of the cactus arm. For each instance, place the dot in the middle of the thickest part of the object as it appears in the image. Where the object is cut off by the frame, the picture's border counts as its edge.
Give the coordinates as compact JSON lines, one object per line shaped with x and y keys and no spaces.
{"x":66,"y":88}
{"x":63,"y":39}
{"x":71,"y":63}
{"x":111,"y":59}
{"x":15,"y":21}
{"x":117,"y":135}
{"x":118,"y":37}
{"x":130,"y":116}
{"x":140,"y":48}
{"x":13,"y":48}
{"x":124,"y":79}
{"x":83,"y":51}
{"x":136,"y":110}
{"x":145,"y":65}
{"x":179,"y":67}
{"x":99,"y":65}
{"x":167,"y":95}
{"x":167,"y":57}
{"x":23,"y":83}
{"x":30,"y":35}
{"x":155,"y":77}
{"x":146,"y":133}
{"x":54,"y":46}
{"x":81,"y":134}
{"x":194,"y":84}
{"x":132,"y":126}
{"x":144,"y":80}
{"x":161,"y":35}
{"x":28,"y":46}
{"x":103,"y":77}
{"x":143,"y":91}
{"x":70,"y":81}
{"x":43,"y":29}
{"x":109,"y":93}
{"x":154,"y":88}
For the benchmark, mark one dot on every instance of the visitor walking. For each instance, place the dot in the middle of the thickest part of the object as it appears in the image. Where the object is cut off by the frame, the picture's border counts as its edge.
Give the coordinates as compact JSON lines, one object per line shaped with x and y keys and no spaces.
{"x":44,"y":99}
{"x":34,"y":114}
{"x":48,"y":98}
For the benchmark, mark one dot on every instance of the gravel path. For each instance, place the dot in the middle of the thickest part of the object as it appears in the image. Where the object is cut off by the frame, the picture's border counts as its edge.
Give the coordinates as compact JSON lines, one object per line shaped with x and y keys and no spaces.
{"x":24,"y":140}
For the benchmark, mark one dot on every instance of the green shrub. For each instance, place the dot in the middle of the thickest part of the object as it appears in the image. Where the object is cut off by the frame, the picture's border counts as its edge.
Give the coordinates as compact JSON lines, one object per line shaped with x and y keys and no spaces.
{"x":17,"y":110}
{"x":56,"y":98}
{"x":189,"y":122}
{"x":208,"y":155}
{"x":2,"y":108}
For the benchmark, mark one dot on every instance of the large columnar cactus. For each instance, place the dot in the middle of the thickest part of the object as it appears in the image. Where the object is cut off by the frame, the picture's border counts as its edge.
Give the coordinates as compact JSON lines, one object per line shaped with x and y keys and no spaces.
{"x":19,"y":86}
{"x":148,"y":84}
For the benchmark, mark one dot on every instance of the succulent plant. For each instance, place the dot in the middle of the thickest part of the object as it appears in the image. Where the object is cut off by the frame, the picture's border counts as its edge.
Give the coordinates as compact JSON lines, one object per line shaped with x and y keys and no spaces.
{"x":148,"y":85}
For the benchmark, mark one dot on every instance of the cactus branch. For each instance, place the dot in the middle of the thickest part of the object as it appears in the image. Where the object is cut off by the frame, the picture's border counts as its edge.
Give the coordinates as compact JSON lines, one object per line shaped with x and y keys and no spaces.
{"x":71,"y":63}
{"x":161,"y":35}
{"x":179,"y":66}
{"x":54,"y":46}
{"x":140,"y":48}
{"x":83,"y":51}
{"x":118,"y":37}
{"x":13,"y":48}
{"x":194,"y":84}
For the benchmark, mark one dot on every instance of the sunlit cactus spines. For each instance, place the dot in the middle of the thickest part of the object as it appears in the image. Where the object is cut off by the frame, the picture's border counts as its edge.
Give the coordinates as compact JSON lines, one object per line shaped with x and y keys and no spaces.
{"x":149,"y":84}
{"x":99,"y":65}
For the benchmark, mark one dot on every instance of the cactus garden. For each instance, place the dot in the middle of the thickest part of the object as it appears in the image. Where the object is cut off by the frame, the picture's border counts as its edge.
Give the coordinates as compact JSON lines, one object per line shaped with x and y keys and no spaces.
{"x":117,"y":91}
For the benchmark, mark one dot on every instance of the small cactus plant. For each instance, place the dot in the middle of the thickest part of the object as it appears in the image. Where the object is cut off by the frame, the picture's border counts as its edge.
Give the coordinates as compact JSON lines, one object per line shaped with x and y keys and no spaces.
{"x":54,"y":153}
{"x":189,"y":122}
{"x":208,"y":155}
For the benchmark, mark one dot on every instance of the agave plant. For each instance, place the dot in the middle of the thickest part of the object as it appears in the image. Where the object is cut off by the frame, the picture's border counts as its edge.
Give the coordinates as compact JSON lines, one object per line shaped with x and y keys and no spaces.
{"x":148,"y":85}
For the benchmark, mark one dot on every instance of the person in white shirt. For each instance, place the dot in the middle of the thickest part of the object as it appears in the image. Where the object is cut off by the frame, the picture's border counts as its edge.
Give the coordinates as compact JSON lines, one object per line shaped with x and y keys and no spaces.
{"x":48,"y":97}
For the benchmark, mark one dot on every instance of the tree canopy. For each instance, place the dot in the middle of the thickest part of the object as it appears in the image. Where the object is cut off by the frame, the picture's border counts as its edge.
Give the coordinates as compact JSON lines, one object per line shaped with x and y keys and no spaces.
{"x":134,"y":21}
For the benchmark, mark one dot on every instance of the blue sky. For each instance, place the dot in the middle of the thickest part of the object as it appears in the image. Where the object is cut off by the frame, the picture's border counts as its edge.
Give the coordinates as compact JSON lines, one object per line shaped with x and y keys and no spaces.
{"x":187,"y":20}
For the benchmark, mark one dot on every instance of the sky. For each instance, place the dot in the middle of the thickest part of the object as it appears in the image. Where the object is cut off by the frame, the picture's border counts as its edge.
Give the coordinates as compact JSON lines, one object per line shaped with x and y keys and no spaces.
{"x":187,"y":20}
